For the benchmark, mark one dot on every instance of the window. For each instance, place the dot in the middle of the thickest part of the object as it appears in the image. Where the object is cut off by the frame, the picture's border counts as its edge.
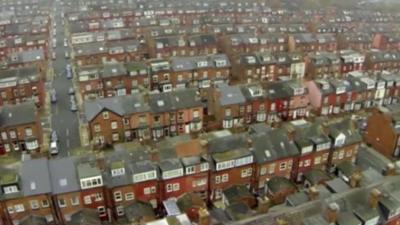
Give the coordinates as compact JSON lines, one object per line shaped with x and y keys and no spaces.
{"x":317,"y":160}
{"x":176,"y":187}
{"x":28,"y":132}
{"x":225,"y":178}
{"x":62,"y":203}
{"x":98,"y":197}
{"x":147,"y":191}
{"x":217,"y":179}
{"x":45,"y":203}
{"x":114,"y":125}
{"x":246,"y":172}
{"x":169,"y":188}
{"x":10,"y":189}
{"x":204,"y":167}
{"x":341,"y":154}
{"x":129,"y":196}
{"x":101,"y":210}
{"x":195,"y":113}
{"x":4,"y":136}
{"x":10,"y":210}
{"x":349,"y":153}
{"x":117,"y":196}
{"x":97,"y":128}
{"x":190,"y":170}
{"x":115,"y":137}
{"x":19,"y":208}
{"x":228,"y":112}
{"x":34,"y":204}
{"x":271,"y":168}
{"x":75,"y":200}
{"x":12,"y":134}
{"x":263,"y":171}
{"x":120,"y":210}
{"x":87,"y":200}
{"x":106,"y":116}
{"x":307,"y":162}
{"x":282,"y":166}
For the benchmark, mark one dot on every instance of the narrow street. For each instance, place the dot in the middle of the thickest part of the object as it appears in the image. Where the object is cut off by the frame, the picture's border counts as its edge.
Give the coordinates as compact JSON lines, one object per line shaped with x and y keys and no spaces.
{"x":63,"y":121}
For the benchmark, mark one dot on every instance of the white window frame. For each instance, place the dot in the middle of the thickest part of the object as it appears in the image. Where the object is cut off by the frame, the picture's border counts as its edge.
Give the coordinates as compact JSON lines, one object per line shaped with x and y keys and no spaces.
{"x":74,"y":201}
{"x":129,"y":196}
{"x":225,"y":178}
{"x":19,"y":208}
{"x":62,"y":203}
{"x":117,"y":196}
{"x":282,"y":166}
{"x":34,"y":204}
{"x":190,"y":170}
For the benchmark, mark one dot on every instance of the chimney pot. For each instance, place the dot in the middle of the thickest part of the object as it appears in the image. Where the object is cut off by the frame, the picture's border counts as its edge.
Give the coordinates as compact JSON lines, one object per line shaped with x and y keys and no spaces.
{"x":390,"y":169}
{"x":263,"y":204}
{"x":313,"y":193}
{"x":374,"y":198}
{"x":332,"y":211}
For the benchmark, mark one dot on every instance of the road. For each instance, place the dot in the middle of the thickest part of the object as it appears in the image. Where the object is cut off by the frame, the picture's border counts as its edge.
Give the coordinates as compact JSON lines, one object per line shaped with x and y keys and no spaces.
{"x":64,"y":121}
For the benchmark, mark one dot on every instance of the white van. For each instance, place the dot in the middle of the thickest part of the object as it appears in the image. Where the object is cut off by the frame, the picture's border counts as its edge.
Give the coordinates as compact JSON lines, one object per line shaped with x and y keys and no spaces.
{"x":53,"y":148}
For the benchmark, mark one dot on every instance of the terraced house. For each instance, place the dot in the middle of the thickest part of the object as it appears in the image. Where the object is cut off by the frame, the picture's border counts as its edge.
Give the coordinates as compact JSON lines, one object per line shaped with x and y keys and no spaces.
{"x":20,"y":128}
{"x":137,"y":116}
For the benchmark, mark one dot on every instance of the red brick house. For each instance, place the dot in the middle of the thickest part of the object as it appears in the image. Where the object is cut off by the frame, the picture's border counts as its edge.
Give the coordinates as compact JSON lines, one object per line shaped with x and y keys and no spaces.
{"x":274,"y":155}
{"x":322,"y":96}
{"x":385,"y":41}
{"x":20,"y":128}
{"x":312,"y":143}
{"x":303,"y":42}
{"x":323,"y":65}
{"x":351,"y":60}
{"x":346,"y":140}
{"x":92,"y":188}
{"x":252,"y":67}
{"x":231,"y":163}
{"x":20,"y":85}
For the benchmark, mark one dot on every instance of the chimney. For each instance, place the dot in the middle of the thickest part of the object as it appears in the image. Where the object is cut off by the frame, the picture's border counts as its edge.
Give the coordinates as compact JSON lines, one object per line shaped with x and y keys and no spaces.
{"x":313,"y":193}
{"x":355,"y":179}
{"x":374,"y":198}
{"x":263,"y":204}
{"x":204,"y":217}
{"x":153,"y":152}
{"x":390,"y":170}
{"x":332,"y":212}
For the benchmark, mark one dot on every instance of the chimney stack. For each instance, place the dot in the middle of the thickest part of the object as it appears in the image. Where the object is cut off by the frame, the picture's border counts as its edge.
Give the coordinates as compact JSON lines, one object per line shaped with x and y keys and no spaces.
{"x":332,"y":212}
{"x":390,"y":170}
{"x":263,"y":204}
{"x":374,"y":198}
{"x":313,"y":193}
{"x":204,"y":217}
{"x":355,"y":179}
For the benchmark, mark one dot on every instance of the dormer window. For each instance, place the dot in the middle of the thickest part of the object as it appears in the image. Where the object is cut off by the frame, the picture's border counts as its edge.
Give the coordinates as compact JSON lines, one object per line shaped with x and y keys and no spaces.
{"x":340,"y":90}
{"x":118,"y":172}
{"x":255,"y":91}
{"x":250,"y":59}
{"x":220,"y":62}
{"x":298,"y":90}
{"x":253,"y":40}
{"x":340,"y":139}
{"x":202,"y":64}
{"x":10,"y":189}
{"x":281,"y":59}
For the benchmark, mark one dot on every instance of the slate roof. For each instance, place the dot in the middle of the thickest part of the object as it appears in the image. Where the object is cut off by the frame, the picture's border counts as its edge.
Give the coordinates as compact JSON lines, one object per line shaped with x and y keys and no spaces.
{"x":297,"y":198}
{"x":273,"y":145}
{"x":347,"y":218}
{"x":170,"y":101}
{"x":170,"y":164}
{"x":276,"y":184}
{"x":230,"y":95}
{"x":12,"y":115}
{"x":63,"y":175}
{"x":35,"y":177}
{"x":85,"y":216}
{"x":137,"y":210}
{"x":34,"y":220}
{"x":315,"y":220}
{"x":236,"y":192}
{"x":316,"y":176}
{"x":26,"y":56}
{"x":337,"y":185}
{"x":121,"y":105}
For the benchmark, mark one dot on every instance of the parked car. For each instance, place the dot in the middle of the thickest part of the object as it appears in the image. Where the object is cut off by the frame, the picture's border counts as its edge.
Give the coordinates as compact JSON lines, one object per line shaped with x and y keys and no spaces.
{"x":54,"y":136}
{"x":53,"y":56}
{"x":66,"y":55}
{"x":73,"y":106}
{"x":65,"y":42}
{"x":53,"y":96}
{"x":71,"y":91}
{"x":53,"y":148}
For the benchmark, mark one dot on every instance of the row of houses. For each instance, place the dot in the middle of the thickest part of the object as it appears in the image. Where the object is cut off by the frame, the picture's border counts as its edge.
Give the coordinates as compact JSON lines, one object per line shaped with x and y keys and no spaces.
{"x":207,"y":166}
{"x":155,"y":115}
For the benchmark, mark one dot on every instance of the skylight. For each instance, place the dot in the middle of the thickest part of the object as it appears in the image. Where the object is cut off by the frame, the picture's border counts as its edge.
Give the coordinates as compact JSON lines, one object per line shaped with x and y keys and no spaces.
{"x":160,"y":103}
